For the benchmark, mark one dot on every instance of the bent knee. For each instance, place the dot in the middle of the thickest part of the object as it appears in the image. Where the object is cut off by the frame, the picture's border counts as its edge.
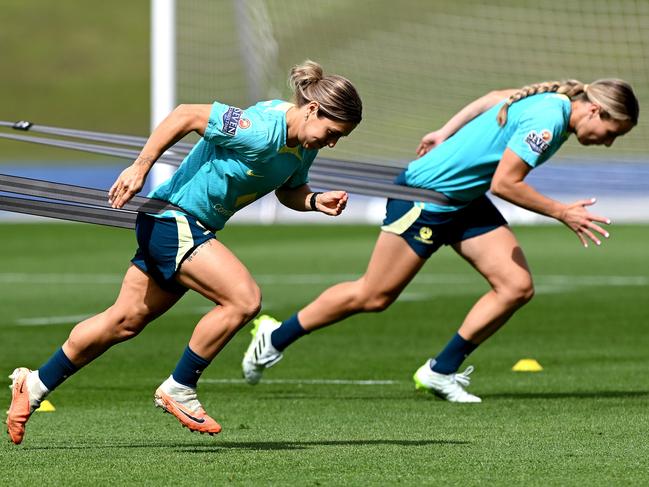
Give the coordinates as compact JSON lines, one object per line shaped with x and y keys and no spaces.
{"x":519,"y":293}
{"x":524,"y":291}
{"x":248,"y":304}
{"x":130,"y":327}
{"x":361,"y":297}
{"x":124,"y":326}
{"x":376,"y":303}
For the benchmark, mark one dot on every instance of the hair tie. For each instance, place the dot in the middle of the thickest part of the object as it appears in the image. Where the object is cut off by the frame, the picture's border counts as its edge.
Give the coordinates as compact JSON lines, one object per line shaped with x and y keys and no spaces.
{"x":586,"y":86}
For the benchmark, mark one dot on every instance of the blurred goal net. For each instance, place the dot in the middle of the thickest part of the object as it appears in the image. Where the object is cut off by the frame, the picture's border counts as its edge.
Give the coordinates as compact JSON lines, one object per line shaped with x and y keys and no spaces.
{"x":415,"y":62}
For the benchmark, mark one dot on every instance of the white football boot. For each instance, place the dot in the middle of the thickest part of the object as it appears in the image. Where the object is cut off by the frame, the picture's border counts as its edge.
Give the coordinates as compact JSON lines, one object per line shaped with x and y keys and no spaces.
{"x":447,"y":386}
{"x":260,"y":354}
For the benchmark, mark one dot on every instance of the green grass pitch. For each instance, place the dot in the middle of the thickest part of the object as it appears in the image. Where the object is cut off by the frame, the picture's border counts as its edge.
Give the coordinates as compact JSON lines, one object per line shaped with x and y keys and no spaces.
{"x":581,"y":421}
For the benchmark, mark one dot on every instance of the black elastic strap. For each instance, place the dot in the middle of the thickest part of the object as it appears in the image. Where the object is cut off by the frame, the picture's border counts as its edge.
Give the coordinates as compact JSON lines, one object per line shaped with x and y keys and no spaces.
{"x":355,"y":177}
{"x":383,"y":189}
{"x":62,"y":211}
{"x":75,"y":203}
{"x":69,"y":193}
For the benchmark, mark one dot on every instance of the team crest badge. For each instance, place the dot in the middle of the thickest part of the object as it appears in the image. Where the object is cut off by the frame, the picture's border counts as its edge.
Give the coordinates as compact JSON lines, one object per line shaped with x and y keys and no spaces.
{"x":244,"y":123}
{"x":424,"y":236}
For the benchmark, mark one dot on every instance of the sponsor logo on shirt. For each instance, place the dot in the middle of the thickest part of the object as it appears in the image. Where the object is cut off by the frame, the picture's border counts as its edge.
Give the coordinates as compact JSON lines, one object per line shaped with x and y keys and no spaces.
{"x":219,"y":208}
{"x":231,"y":120}
{"x":539,"y":143}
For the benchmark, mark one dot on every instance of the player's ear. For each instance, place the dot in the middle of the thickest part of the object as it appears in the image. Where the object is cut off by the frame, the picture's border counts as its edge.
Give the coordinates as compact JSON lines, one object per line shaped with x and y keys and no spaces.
{"x":593,"y":110}
{"x":312,"y":108}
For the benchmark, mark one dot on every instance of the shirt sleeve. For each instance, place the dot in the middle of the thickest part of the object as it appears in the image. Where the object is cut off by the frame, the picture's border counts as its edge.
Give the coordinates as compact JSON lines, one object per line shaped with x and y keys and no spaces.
{"x":538,"y":131}
{"x":245,"y":132}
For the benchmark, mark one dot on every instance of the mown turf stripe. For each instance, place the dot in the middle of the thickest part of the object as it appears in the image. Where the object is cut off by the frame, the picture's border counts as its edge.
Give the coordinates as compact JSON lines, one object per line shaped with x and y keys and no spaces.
{"x":290,"y":279}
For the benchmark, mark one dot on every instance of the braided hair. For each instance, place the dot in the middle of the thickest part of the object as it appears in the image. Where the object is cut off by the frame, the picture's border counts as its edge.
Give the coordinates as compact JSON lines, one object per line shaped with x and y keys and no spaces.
{"x":615,"y":97}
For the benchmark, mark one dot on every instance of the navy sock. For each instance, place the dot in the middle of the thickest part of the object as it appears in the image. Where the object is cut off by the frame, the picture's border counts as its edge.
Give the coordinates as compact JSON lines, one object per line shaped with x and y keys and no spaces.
{"x":289,"y":331}
{"x":189,"y":368}
{"x":450,"y":359}
{"x":56,"y":370}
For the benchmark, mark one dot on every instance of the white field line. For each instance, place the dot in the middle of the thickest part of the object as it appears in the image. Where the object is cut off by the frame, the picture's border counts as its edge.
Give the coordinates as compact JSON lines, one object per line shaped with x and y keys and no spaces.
{"x":51,"y":320}
{"x":308,"y":382}
{"x":316,"y":279}
{"x":74,"y":319}
{"x":27,"y":278}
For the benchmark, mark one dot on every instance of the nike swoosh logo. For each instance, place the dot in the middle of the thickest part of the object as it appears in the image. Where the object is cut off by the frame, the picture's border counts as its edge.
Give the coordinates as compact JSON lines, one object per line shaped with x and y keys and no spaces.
{"x":198,"y":420}
{"x":250,"y":172}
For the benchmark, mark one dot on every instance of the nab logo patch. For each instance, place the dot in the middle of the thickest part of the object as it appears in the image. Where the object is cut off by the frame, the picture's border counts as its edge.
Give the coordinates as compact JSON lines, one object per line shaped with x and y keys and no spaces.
{"x":244,"y":123}
{"x":539,"y":143}
{"x":231,"y":120}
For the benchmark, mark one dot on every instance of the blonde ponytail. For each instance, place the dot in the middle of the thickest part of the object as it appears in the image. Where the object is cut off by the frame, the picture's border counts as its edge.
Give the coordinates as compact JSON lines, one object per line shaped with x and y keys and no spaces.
{"x":571,"y":88}
{"x":302,"y":76}
{"x":615,"y":97}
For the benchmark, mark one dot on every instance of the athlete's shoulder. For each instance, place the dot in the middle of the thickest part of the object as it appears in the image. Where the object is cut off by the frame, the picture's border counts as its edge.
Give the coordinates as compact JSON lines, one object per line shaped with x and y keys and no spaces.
{"x":542,"y":127}
{"x":554,"y":102}
{"x":272,"y":108}
{"x":264,"y":112}
{"x":550,"y":108}
{"x":269,"y":116}
{"x":254,"y":129}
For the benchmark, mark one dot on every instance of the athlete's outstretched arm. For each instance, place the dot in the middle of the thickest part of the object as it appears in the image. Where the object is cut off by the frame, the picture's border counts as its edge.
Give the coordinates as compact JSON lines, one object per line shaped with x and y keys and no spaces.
{"x":461,"y":118}
{"x":330,"y":203}
{"x":183,"y":120}
{"x":508,"y":183}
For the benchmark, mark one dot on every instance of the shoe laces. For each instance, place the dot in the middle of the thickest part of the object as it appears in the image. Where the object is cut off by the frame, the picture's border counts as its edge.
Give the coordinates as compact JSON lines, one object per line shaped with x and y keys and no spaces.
{"x":463,"y":378}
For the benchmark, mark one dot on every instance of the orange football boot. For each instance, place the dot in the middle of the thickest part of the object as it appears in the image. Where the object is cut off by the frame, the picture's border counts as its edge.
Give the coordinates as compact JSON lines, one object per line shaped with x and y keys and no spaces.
{"x":20,"y":409}
{"x":195,"y":419}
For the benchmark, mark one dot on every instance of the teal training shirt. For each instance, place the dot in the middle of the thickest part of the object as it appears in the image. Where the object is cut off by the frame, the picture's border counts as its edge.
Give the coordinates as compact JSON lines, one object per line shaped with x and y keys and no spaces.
{"x":242,"y":156}
{"x":463,"y":166}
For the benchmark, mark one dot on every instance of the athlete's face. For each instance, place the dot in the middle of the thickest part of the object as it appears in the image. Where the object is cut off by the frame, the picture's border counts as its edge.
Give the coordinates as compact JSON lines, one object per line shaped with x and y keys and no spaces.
{"x":597,"y":129}
{"x":318,"y":132}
